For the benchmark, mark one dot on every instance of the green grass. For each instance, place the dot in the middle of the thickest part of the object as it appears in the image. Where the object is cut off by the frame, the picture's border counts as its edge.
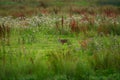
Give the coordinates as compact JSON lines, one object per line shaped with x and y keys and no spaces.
{"x":36,"y":52}
{"x":44,"y":57}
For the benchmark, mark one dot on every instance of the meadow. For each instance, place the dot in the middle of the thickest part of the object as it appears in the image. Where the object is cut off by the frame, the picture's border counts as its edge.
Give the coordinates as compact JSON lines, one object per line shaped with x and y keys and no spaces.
{"x":70,"y":43}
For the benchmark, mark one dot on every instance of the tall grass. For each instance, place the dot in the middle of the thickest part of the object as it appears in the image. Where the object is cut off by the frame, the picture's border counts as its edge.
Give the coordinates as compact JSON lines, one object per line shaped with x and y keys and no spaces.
{"x":45,"y":47}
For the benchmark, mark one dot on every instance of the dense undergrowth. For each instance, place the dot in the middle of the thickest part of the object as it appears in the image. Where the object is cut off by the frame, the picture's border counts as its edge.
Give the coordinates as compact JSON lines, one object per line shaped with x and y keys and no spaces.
{"x":80,"y":45}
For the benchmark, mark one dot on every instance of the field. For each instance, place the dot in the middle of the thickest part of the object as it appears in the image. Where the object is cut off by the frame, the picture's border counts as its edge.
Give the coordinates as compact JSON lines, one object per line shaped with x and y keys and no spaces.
{"x":75,"y":42}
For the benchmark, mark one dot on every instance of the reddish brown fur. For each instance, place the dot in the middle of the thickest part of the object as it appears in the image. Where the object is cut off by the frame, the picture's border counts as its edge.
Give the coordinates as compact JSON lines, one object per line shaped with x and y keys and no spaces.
{"x":85,"y":43}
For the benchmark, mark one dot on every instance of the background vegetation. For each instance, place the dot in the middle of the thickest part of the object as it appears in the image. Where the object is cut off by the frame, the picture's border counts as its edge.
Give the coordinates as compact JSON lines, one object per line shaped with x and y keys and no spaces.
{"x":57,"y":40}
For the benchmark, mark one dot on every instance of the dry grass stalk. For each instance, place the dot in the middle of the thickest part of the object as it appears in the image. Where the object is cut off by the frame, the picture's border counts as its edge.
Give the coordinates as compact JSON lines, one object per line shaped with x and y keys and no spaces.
{"x":5,"y":33}
{"x":102,"y":30}
{"x":62,"y":22}
{"x":56,"y":10}
{"x":74,"y":26}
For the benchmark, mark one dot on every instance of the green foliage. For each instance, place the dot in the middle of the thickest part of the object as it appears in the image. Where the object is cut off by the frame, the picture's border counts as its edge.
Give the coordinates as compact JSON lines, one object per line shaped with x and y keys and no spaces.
{"x":36,"y":52}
